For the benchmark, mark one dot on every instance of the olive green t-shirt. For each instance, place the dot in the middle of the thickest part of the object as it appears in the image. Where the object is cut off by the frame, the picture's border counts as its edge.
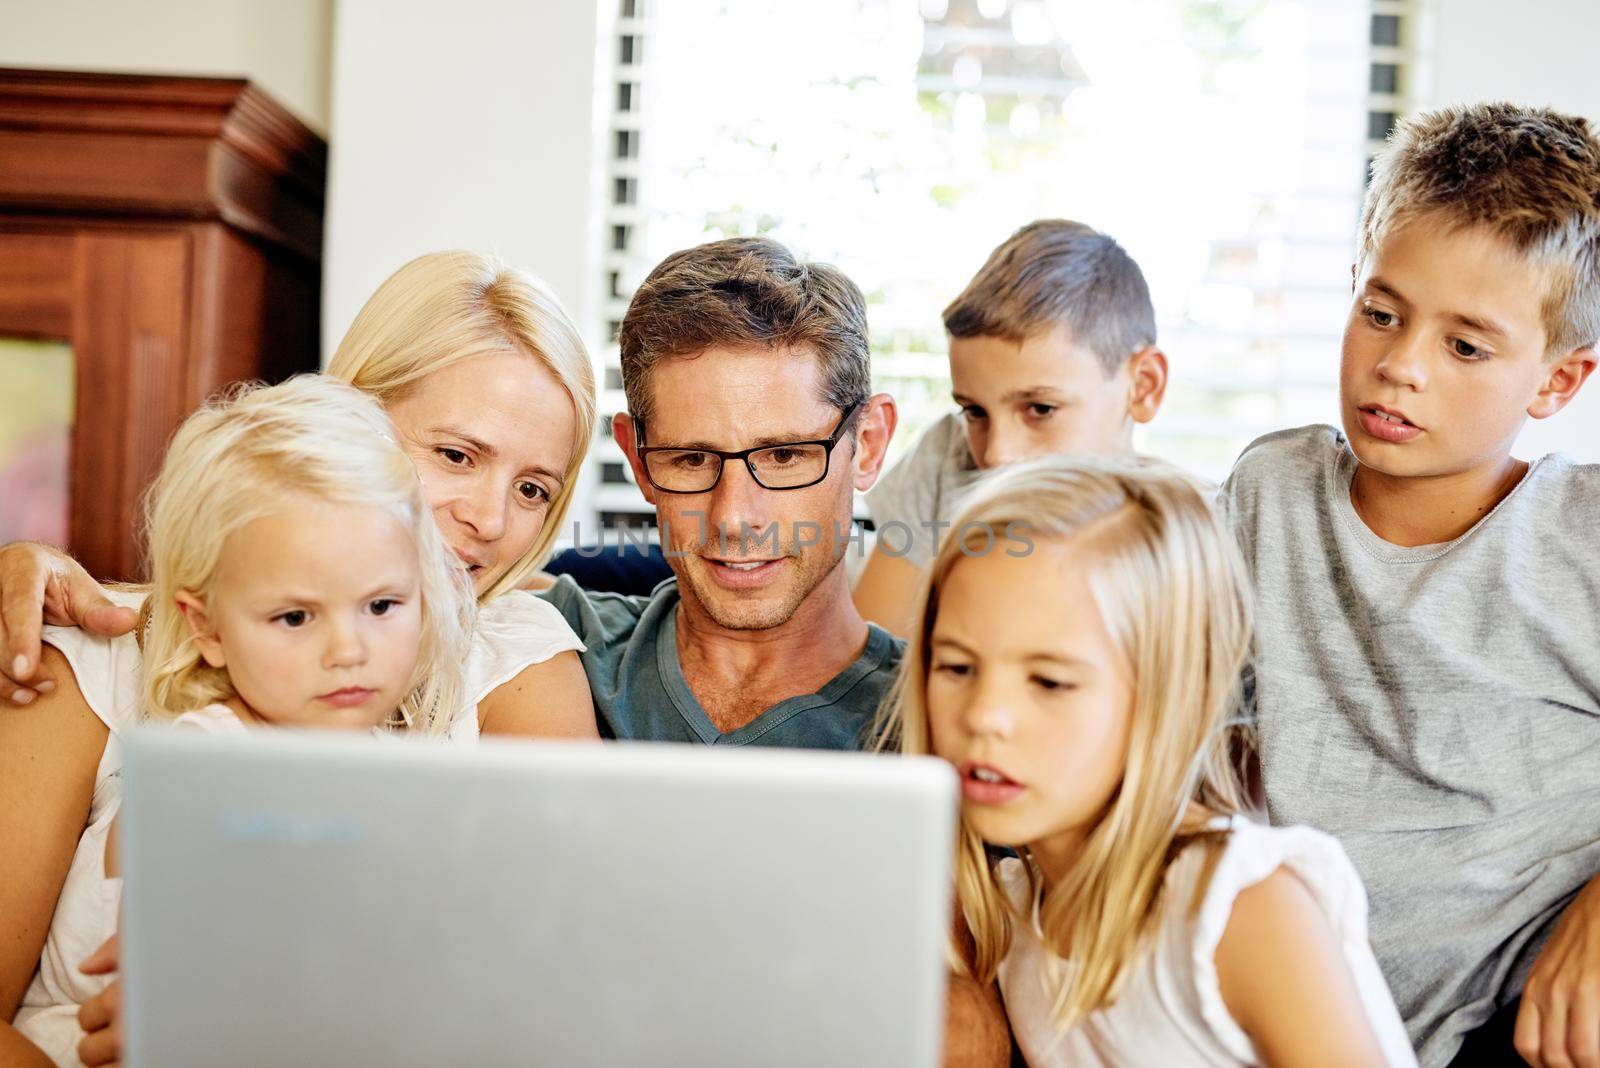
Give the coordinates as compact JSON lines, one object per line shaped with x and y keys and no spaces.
{"x":631,"y":657}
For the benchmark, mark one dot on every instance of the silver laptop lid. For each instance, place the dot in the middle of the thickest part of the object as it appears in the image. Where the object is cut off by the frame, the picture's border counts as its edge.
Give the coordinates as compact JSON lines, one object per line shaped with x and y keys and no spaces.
{"x":296,"y":899}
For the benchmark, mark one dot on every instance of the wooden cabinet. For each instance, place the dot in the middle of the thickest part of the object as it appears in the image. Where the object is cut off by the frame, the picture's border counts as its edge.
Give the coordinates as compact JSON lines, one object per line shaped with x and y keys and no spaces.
{"x":170,"y":230}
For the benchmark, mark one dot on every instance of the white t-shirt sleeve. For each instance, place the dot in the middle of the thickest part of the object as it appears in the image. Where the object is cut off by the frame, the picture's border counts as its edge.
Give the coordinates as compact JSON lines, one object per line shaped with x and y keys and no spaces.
{"x":920,"y":490}
{"x":514,"y":630}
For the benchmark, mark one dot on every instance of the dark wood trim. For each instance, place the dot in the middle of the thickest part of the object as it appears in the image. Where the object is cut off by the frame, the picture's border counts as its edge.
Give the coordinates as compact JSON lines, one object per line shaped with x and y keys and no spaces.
{"x":170,"y":230}
{"x":36,"y":285}
{"x":161,"y":146}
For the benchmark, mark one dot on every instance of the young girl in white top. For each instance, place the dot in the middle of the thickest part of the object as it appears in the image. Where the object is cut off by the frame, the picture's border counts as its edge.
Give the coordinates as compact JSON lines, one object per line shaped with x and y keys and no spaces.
{"x":1076,"y":657}
{"x":298,"y":580}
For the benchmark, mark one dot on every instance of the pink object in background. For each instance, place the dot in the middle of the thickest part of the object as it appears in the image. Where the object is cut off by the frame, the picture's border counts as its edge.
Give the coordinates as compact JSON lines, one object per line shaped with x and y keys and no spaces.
{"x":35,"y":481}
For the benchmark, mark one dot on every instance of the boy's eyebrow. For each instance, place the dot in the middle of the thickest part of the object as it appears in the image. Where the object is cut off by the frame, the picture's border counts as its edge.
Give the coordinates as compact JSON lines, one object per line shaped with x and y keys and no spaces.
{"x":1385,"y":288}
{"x":1483,"y":326}
{"x":1033,"y":393}
{"x":1030,"y":393}
{"x":1471,"y":322}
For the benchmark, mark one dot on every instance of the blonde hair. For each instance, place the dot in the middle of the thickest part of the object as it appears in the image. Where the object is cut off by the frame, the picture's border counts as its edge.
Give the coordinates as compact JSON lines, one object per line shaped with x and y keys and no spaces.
{"x":446,"y":307}
{"x":252,"y":453}
{"x":1531,"y":176}
{"x":1171,"y":589}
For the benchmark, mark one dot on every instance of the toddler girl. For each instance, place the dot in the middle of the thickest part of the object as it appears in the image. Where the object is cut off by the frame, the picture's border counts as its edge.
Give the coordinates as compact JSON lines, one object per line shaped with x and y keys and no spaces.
{"x":298,"y":580}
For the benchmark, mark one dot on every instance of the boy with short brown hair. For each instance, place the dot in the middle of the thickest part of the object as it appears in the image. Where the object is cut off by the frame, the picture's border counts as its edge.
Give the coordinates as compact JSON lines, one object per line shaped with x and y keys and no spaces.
{"x":1052,"y":350}
{"x":1427,"y":682}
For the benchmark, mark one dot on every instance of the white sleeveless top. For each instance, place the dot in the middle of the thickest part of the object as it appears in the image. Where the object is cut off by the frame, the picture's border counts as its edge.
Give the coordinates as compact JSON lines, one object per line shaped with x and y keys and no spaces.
{"x":1170,"y":1011}
{"x":107,"y":671}
{"x":514,"y":631}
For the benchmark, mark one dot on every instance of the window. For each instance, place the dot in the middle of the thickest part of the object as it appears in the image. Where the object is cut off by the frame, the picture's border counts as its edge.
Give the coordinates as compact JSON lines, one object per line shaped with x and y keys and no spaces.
{"x":1385,"y":79}
{"x":904,"y":139}
{"x":1386,"y":31}
{"x":1379,"y":123}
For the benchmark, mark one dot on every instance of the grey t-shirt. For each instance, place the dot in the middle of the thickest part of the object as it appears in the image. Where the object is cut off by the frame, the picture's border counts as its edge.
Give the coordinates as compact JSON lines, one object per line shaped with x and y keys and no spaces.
{"x":1437,"y":708}
{"x":631,"y":657}
{"x":922,"y":490}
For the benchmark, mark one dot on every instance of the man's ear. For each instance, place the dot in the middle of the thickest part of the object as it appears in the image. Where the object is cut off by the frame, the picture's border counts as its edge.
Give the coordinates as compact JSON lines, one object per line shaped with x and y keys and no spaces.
{"x":200,"y":628}
{"x":622,"y":432}
{"x":874,"y":430}
{"x":1147,"y":383}
{"x":1566,"y":377}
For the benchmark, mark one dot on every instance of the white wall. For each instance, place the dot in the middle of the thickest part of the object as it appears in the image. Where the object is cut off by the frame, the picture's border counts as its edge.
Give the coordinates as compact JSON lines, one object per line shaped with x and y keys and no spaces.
{"x":464,"y":125}
{"x":281,"y":45}
{"x":1533,"y":52}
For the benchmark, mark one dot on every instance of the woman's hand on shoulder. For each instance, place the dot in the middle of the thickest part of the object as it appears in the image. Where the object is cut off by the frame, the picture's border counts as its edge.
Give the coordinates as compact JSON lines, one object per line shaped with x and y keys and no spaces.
{"x":550,"y":699}
{"x":39,"y":585}
{"x":1286,"y":981}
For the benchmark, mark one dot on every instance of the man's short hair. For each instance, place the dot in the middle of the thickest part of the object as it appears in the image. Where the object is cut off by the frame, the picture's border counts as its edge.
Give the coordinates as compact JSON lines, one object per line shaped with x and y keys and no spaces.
{"x":746,"y":292}
{"x":1055,"y":272}
{"x":1531,"y":176}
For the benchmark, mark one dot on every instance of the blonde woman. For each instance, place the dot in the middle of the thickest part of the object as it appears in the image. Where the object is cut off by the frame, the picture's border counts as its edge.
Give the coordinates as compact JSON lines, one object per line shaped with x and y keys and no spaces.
{"x":1075,"y":657}
{"x":491,"y":392}
{"x":298,"y":581}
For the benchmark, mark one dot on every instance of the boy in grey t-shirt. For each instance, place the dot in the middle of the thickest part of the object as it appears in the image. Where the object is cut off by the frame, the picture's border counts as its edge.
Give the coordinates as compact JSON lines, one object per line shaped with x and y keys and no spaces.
{"x":1052,"y":350}
{"x":1427,"y":684}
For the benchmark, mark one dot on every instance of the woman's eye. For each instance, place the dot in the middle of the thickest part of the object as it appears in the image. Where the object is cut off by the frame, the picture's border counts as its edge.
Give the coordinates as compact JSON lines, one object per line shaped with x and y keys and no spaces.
{"x":1049,"y":684}
{"x":294,"y":618}
{"x":952,"y":667}
{"x":971,"y":413}
{"x":382,"y":605}
{"x":1465,"y":350}
{"x":1041,"y":411}
{"x":453,"y":456}
{"x":532,"y":491}
{"x":1380,"y":317}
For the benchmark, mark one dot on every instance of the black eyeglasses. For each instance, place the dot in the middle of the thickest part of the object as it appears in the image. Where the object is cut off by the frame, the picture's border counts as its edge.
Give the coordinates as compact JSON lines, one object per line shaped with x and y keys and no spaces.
{"x":790,"y":465}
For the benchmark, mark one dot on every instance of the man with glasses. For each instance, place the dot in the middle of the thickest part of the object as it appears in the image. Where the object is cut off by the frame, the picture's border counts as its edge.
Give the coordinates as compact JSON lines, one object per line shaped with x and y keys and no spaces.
{"x":751,"y":424}
{"x":750,"y":427}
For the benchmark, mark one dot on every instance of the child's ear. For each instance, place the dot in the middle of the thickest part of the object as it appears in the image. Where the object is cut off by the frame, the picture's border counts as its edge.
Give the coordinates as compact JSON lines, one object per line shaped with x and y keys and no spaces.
{"x":205,"y":635}
{"x":1147,"y":383}
{"x":1567,"y":375}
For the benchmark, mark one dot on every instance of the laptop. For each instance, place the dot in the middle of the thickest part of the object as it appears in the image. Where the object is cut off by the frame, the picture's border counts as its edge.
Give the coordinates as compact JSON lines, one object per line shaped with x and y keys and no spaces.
{"x":308,"y":900}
